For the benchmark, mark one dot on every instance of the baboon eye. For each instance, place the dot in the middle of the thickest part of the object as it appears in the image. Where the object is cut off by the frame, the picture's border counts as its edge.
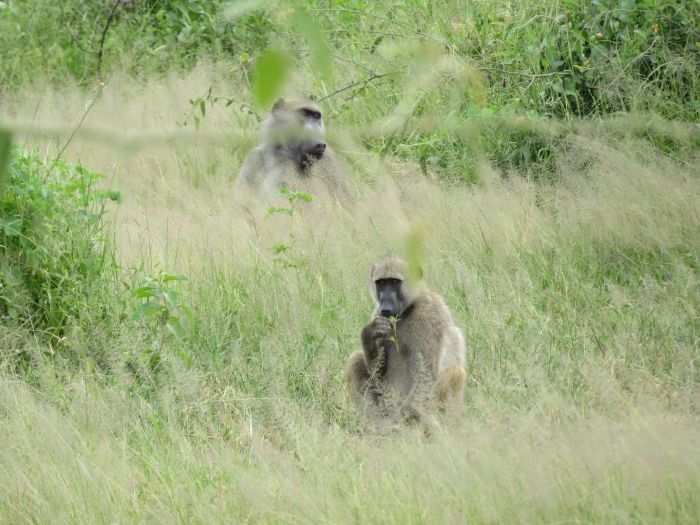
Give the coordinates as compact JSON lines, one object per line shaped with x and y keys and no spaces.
{"x":310,"y":113}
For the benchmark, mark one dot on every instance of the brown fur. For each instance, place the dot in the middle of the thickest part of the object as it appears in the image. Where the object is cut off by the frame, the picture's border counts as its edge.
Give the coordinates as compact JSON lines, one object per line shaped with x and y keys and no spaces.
{"x":425,"y":357}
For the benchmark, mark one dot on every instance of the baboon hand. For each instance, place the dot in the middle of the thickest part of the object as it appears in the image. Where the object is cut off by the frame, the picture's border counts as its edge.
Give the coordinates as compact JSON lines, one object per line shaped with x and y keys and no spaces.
{"x":381,"y":327}
{"x":375,"y":334}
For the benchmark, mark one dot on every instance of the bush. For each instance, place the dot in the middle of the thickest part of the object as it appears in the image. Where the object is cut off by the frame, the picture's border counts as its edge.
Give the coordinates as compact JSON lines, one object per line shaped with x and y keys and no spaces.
{"x":82,"y":40}
{"x":54,"y":246}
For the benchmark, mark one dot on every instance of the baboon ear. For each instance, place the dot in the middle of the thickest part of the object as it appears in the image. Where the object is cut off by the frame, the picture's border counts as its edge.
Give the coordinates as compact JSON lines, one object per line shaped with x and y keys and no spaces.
{"x":278,"y":104}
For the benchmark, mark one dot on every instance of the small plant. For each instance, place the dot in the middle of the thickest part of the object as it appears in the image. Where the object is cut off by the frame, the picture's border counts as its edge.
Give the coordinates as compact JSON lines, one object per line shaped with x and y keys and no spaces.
{"x":394,"y":337}
{"x":160,"y":302}
{"x":198,"y":107}
{"x":281,"y":250}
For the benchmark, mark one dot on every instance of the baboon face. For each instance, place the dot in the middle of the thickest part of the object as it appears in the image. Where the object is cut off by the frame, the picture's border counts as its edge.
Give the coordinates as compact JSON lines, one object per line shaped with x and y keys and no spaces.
{"x":390,"y":296}
{"x":298,"y":126}
{"x":389,"y":289}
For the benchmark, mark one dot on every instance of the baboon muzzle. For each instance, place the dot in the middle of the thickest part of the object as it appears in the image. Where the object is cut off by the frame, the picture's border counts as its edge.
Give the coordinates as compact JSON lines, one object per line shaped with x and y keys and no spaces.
{"x":315,"y":150}
{"x":389,"y":304}
{"x":310,"y":153}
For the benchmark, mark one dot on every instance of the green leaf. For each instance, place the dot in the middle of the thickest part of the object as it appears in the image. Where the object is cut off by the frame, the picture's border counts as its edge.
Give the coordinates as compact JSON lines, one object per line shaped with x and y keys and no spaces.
{"x":274,"y":209}
{"x":171,"y":277}
{"x":88,"y":217}
{"x":12,"y":226}
{"x":175,"y":327}
{"x":320,"y":53}
{"x":115,"y":196}
{"x":146,"y":291}
{"x":270,"y":75}
{"x":146,"y":309}
{"x":171,"y":298}
{"x":301,"y":196}
{"x":280,"y":248}
{"x":5,"y":147}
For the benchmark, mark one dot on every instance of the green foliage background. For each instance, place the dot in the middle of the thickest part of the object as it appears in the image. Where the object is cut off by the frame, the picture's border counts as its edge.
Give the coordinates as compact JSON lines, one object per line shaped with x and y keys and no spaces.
{"x":560,"y":58}
{"x":554,"y":58}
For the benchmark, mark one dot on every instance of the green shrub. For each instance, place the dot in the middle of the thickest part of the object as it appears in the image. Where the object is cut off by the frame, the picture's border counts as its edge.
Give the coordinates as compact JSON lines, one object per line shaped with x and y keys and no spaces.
{"x":54,"y":247}
{"x":83,"y":40}
{"x":609,"y":52}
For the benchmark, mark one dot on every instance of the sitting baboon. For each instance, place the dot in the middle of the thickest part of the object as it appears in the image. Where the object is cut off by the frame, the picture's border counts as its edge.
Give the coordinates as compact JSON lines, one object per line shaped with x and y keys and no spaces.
{"x":413,"y":357}
{"x":293,"y":153}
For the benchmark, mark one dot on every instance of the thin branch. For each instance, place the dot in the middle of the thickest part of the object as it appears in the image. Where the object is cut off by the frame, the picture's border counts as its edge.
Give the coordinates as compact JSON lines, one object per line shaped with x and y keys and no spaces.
{"x":498,"y":70}
{"x":363,"y":82}
{"x":82,"y":119}
{"x":518,"y":73}
{"x":104,"y":35}
{"x":354,"y":62}
{"x":36,"y":111}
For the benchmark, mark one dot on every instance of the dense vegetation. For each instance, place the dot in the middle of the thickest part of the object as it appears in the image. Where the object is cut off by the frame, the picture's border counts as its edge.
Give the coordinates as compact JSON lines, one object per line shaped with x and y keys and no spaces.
{"x":165,"y":357}
{"x":562,"y":58}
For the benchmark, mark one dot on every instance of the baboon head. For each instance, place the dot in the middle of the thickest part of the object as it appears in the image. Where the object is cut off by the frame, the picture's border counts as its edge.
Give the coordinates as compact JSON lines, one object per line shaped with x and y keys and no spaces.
{"x":390,"y":289}
{"x":295,"y":128}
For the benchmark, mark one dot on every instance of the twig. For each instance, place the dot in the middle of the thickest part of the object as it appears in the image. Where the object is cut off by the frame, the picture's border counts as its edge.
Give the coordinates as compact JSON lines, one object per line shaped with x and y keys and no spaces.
{"x":364,"y":82}
{"x":36,"y":111}
{"x":526,"y":75}
{"x":104,"y":35}
{"x":354,"y":62}
{"x":80,"y":123}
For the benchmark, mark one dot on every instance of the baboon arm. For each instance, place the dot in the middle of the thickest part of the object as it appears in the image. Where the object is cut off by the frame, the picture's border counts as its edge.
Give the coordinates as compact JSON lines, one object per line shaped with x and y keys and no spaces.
{"x":332,"y":173}
{"x":375,"y":351}
{"x":251,"y":169}
{"x":369,"y":342}
{"x":367,"y":338}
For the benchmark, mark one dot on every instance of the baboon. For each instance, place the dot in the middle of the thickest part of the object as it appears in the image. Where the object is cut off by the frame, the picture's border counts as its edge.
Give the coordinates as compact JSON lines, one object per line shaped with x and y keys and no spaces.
{"x":293,"y":153}
{"x":412,"y":358}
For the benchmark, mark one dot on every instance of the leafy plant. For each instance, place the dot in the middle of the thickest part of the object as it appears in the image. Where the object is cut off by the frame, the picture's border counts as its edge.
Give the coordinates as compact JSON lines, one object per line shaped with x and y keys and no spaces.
{"x":589,"y":41}
{"x":283,"y":250}
{"x":54,"y":245}
{"x":160,"y":302}
{"x":198,"y":106}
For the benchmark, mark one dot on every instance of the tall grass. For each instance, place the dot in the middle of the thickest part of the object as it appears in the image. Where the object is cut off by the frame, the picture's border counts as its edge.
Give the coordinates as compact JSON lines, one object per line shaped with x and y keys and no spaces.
{"x":109,"y":457}
{"x":578,"y":300}
{"x":197,"y":373}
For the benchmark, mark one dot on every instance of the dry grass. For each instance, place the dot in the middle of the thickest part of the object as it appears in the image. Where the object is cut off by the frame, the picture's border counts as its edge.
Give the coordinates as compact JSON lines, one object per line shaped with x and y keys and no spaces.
{"x":579,"y":302}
